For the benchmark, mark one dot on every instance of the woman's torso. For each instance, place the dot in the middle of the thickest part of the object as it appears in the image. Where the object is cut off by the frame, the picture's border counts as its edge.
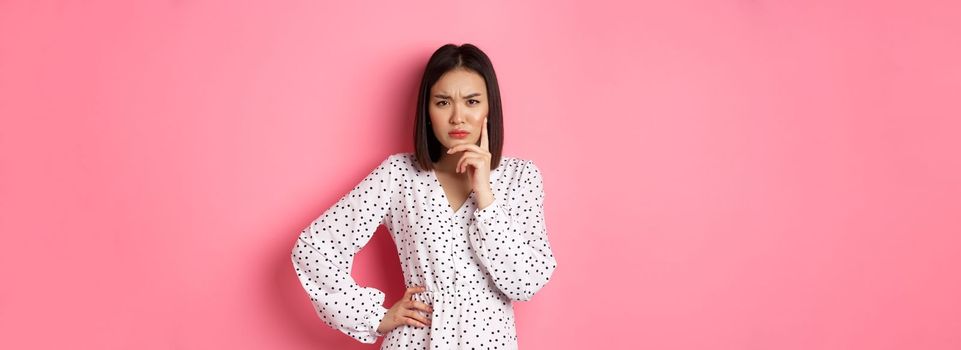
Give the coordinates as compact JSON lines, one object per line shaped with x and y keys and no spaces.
{"x":434,"y":251}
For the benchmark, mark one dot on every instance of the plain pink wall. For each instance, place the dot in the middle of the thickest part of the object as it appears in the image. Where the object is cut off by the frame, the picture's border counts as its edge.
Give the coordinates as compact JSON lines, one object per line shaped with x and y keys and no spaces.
{"x":718,"y":174}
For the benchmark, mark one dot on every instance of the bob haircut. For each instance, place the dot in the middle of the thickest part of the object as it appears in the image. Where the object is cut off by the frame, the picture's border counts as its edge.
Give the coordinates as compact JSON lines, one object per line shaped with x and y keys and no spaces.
{"x":427,"y":149}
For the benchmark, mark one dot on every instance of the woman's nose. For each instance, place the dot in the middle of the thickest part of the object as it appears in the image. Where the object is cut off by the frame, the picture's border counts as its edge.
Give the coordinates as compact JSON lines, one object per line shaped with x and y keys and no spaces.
{"x":456,"y":115}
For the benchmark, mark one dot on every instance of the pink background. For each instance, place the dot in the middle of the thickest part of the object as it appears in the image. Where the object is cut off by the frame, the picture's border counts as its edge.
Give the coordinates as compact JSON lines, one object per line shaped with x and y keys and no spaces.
{"x":718,"y":174}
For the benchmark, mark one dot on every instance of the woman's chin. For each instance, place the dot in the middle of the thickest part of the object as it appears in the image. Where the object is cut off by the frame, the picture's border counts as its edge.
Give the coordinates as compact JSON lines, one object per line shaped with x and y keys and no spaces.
{"x":451,"y":143}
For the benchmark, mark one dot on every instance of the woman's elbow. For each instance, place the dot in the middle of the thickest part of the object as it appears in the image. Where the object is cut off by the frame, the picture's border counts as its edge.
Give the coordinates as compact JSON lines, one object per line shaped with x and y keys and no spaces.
{"x":531,"y":285}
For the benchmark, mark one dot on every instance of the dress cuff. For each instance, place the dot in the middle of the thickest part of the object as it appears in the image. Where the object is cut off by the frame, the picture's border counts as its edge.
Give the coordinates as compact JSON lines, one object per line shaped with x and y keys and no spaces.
{"x":375,"y":320}
{"x":489,"y":212}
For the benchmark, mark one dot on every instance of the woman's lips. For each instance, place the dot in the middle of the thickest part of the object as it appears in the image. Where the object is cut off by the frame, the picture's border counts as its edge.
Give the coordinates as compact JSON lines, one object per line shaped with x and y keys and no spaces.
{"x":458,"y":134}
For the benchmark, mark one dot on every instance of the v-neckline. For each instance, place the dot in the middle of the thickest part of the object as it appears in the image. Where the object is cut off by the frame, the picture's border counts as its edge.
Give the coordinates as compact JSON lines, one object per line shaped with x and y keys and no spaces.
{"x":443,"y":194}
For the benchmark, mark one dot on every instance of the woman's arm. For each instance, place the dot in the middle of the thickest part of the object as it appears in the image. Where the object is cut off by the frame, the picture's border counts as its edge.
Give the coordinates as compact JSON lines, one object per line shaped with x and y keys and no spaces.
{"x":510,"y":238}
{"x":324,"y":254}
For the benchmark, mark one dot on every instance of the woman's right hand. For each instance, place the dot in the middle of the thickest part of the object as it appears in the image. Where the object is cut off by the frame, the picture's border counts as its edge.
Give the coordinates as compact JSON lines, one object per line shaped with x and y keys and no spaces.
{"x":405,"y":311}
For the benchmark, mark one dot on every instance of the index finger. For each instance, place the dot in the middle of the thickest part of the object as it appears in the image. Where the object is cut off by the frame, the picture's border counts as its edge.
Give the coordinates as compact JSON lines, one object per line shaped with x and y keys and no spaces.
{"x":410,"y":291}
{"x":485,"y":144}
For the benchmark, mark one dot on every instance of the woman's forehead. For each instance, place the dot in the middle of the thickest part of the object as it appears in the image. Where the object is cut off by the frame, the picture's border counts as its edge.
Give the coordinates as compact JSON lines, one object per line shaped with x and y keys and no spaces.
{"x":459,"y":81}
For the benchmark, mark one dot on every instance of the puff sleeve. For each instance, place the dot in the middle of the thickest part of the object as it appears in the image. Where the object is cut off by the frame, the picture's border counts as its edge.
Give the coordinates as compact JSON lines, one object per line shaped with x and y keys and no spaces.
{"x":509,"y":237}
{"x":324,"y":254}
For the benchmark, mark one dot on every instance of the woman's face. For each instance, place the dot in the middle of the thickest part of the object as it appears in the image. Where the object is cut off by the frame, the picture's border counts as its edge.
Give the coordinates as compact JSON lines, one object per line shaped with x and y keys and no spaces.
{"x":458,"y":101}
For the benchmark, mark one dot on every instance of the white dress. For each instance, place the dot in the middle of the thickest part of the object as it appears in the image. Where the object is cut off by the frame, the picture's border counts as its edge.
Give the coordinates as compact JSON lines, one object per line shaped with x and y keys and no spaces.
{"x":473,"y":262}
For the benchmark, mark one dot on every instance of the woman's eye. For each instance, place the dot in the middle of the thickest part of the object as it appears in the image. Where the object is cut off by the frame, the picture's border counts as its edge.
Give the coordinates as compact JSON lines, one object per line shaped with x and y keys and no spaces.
{"x":439,"y":103}
{"x":473,"y":100}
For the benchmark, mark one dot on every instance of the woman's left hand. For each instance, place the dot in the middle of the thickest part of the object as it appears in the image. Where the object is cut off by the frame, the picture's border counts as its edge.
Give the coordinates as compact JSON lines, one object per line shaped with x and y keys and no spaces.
{"x":476,"y":162}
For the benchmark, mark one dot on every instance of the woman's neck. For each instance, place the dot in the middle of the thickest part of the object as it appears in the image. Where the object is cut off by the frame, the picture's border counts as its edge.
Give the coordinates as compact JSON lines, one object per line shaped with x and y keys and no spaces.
{"x":447,"y":163}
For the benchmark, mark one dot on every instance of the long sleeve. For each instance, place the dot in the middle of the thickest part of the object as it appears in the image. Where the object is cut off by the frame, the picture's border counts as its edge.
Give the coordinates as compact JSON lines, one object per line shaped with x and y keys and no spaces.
{"x":509,"y":237}
{"x":324,"y":254}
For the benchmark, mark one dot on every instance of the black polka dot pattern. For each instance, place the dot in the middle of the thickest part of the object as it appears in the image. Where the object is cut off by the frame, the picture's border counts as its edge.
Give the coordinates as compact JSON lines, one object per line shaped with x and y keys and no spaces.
{"x":474,"y":262}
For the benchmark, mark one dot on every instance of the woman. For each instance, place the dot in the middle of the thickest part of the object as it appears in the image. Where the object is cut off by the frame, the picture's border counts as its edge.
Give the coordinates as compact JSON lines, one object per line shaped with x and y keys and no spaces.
{"x":468,"y":224}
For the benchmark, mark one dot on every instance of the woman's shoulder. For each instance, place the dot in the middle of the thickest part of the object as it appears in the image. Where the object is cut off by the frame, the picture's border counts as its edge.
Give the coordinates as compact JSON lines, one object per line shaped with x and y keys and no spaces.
{"x":401,"y":160}
{"x":514,"y":161}
{"x":404,"y":162}
{"x":520,"y":166}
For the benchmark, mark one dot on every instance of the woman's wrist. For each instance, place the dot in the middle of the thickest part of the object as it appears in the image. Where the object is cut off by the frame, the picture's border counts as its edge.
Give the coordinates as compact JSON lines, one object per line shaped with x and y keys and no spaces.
{"x":484,"y":198}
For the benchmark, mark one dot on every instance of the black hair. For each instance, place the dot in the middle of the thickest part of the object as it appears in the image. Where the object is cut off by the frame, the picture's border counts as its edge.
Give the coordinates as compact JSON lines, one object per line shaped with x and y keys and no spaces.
{"x":427,"y":149}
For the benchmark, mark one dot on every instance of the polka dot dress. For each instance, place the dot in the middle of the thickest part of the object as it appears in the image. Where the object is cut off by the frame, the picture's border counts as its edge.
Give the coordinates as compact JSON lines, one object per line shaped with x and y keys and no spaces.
{"x":474,"y":262}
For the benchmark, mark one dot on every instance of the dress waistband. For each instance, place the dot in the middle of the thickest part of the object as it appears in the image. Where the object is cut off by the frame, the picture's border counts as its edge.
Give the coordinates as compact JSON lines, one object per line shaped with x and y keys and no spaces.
{"x":462,"y":292}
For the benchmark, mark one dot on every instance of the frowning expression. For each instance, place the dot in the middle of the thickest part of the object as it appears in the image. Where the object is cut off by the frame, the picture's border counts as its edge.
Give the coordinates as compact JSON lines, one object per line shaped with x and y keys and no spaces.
{"x":458,"y":106}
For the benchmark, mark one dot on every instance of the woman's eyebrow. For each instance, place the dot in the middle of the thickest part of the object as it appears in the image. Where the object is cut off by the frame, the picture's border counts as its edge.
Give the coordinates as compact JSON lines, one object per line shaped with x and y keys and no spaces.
{"x":448,"y":97}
